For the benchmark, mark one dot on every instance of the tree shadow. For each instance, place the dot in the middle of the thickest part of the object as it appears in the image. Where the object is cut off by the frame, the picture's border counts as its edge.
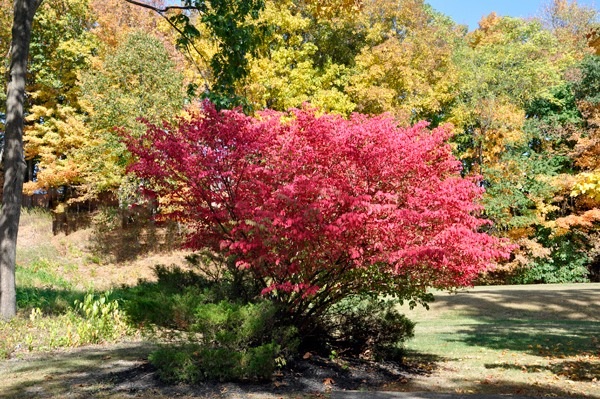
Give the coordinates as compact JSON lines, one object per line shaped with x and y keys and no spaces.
{"x":508,"y":387}
{"x":49,"y":300}
{"x":548,"y":302}
{"x":555,"y":321}
{"x":574,"y":370}
{"x":541,"y":338}
{"x":77,"y":373}
{"x":557,"y":324}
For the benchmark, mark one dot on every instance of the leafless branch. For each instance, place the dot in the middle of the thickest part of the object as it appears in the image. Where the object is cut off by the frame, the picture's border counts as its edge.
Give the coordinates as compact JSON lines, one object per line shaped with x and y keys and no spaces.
{"x":161,"y":12}
{"x":163,"y":9}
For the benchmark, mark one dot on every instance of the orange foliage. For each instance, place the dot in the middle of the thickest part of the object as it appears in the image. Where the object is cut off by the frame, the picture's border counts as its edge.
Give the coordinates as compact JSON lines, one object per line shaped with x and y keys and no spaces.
{"x":116,"y":19}
{"x":584,"y":220}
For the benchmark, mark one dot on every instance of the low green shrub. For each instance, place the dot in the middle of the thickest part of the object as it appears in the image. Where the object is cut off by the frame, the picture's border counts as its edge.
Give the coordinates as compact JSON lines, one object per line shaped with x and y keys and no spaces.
{"x":364,"y":326}
{"x":194,"y":363}
{"x":212,"y":333}
{"x":223,"y":329}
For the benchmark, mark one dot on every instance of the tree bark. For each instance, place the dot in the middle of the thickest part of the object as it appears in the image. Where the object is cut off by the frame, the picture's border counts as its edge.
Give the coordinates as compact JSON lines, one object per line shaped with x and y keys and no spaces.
{"x":14,"y":163}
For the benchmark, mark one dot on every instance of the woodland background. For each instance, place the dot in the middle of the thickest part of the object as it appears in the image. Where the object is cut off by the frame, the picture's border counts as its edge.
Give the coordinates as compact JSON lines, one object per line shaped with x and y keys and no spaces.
{"x":521,"y":94}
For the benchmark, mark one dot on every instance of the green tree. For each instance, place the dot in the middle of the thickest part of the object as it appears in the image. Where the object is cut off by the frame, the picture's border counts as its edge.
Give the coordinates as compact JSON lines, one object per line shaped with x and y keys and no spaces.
{"x":235,"y":37}
{"x":138,"y":81}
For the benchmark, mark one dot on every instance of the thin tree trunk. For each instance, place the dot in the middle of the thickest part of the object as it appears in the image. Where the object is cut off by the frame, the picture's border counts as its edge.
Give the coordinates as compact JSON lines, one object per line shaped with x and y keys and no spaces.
{"x":14,"y":164}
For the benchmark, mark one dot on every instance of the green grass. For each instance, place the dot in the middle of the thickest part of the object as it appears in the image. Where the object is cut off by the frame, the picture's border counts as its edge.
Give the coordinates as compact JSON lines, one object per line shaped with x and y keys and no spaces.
{"x":526,"y":340}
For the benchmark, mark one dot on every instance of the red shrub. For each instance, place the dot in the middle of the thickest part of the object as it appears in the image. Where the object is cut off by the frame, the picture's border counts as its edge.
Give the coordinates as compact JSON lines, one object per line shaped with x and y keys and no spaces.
{"x":319,"y":208}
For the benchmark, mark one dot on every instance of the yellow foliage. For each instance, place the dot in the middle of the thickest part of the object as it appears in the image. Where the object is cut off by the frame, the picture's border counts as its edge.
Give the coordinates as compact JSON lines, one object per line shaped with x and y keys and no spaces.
{"x":587,"y":184}
{"x":285,"y":75}
{"x":408,"y":69}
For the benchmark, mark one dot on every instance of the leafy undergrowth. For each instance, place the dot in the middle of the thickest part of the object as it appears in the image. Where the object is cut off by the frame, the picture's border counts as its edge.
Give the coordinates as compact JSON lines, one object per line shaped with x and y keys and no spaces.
{"x":525,"y":340}
{"x":93,"y":320}
{"x":56,"y":279}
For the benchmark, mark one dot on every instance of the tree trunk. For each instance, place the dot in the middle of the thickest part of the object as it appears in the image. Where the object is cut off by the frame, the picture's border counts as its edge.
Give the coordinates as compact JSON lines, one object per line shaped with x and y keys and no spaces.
{"x":14,"y":164}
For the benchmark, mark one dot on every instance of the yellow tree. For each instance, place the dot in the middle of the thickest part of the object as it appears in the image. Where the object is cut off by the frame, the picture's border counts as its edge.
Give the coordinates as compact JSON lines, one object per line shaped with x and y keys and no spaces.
{"x":406,"y":66}
{"x":587,"y":149}
{"x":61,"y":48}
{"x":505,"y":63}
{"x":75,"y":36}
{"x":571,"y":23}
{"x":287,"y":73}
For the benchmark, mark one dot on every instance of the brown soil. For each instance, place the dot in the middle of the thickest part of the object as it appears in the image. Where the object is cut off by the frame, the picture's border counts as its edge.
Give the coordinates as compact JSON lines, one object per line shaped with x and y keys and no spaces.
{"x":299,"y":377}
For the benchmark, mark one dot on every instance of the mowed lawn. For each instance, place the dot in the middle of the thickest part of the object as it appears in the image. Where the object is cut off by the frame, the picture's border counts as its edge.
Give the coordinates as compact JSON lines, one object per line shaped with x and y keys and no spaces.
{"x":539,"y":340}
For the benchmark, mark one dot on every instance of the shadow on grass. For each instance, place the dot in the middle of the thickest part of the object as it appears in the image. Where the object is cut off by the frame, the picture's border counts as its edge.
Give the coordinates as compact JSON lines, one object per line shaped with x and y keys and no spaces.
{"x":57,"y":301}
{"x":551,"y":323}
{"x":425,"y":358}
{"x":547,"y":302}
{"x":577,"y":370}
{"x":51,"y":301}
{"x":536,"y":338}
{"x":78,"y":373}
{"x":132,"y":240}
{"x":541,"y":321}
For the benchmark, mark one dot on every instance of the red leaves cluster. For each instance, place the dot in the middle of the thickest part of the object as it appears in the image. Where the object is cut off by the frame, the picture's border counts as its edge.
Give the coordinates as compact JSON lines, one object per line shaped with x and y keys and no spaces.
{"x":313,"y":203}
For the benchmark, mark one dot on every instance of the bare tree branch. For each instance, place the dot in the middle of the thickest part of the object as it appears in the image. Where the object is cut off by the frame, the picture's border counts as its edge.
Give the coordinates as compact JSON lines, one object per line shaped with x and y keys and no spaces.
{"x":161,"y":10}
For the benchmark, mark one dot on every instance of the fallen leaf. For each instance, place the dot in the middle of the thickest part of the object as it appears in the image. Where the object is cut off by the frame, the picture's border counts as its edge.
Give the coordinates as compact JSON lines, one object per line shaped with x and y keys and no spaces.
{"x":106,"y":357}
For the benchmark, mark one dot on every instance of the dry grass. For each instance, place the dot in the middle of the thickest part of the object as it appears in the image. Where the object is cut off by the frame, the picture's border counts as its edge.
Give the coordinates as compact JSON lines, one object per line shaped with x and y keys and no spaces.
{"x":97,"y":258}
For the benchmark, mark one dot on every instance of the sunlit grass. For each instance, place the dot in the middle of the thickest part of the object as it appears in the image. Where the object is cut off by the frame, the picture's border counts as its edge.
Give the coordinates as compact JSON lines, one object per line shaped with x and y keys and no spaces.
{"x":528,"y":340}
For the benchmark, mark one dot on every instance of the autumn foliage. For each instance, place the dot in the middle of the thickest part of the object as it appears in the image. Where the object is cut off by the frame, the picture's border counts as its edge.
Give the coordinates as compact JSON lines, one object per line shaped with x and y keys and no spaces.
{"x":318,"y":208}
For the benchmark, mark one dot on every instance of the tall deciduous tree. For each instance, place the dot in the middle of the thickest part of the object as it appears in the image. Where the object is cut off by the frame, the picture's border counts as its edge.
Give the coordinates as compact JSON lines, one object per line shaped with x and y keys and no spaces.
{"x":405,"y":67}
{"x":62,"y":45}
{"x":138,"y":80}
{"x":14,"y":164}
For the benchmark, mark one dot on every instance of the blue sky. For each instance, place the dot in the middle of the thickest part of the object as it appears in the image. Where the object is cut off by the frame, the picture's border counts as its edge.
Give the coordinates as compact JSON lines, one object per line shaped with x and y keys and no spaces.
{"x":469,"y":12}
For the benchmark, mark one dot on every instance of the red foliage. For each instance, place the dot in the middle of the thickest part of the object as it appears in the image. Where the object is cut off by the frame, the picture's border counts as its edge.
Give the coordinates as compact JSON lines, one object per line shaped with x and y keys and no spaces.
{"x":321,"y":205}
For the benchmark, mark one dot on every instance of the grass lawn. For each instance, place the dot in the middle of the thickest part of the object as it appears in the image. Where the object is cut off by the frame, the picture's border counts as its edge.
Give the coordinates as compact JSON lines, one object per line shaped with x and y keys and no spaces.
{"x":539,"y":340}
